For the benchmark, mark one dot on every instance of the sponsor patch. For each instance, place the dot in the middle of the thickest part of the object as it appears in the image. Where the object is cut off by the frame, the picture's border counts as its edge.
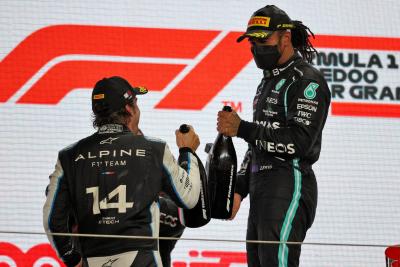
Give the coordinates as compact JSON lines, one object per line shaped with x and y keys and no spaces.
{"x":286,"y":26}
{"x":310,"y":91}
{"x":98,"y":96}
{"x":259,"y":21}
{"x":142,"y":89}
{"x":279,"y":85}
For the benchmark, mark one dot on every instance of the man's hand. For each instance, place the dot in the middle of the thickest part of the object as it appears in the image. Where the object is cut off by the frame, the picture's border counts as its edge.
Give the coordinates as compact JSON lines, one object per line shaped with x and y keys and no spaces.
{"x":237,"y":199}
{"x":189,"y":139}
{"x":228,"y":123}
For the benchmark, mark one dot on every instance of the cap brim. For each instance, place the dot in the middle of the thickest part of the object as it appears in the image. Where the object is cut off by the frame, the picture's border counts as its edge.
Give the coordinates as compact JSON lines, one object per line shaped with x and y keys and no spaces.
{"x":140,"y":90}
{"x":255,"y":34}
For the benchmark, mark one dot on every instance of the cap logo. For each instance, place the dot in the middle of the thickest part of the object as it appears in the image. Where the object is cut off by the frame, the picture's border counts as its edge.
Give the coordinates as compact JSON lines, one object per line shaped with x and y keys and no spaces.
{"x":99,"y":96}
{"x":259,"y":21}
{"x":128,"y":95}
{"x":259,"y":35}
{"x":142,"y":89}
{"x":285,"y":26}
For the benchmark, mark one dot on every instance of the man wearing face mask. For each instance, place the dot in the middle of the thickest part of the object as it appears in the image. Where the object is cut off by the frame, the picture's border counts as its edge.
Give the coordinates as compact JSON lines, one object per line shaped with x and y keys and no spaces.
{"x":289,"y":112}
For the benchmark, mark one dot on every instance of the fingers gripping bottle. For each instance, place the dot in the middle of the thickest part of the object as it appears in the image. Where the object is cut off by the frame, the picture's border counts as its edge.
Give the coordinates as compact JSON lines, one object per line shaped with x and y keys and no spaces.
{"x":200,"y":215}
{"x":221,"y":168}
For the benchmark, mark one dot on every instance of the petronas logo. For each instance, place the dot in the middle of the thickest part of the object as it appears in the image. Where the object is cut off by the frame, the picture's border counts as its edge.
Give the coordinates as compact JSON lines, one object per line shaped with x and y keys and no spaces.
{"x":279,"y":85}
{"x":310,"y":91}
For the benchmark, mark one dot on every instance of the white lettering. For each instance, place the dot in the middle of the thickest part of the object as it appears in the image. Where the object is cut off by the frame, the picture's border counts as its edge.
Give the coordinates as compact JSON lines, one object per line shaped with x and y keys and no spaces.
{"x":275,"y":148}
{"x":291,"y":149}
{"x":280,"y":148}
{"x":140,"y":152}
{"x":103,"y":153}
{"x":304,"y":114}
{"x":266,"y":167}
{"x":272,"y":100}
{"x":270,"y":147}
{"x":307,"y":107}
{"x":228,"y":202}
{"x":79,"y":157}
{"x":126,"y":152}
{"x":302,"y":120}
{"x":263,"y":123}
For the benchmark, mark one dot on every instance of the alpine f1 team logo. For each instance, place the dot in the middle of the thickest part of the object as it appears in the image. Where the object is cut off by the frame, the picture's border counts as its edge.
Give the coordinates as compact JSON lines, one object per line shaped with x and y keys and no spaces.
{"x":190,"y":64}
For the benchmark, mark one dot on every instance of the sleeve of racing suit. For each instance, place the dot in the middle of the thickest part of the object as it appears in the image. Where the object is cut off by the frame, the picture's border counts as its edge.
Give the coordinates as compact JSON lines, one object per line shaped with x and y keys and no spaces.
{"x":307,"y":106}
{"x":56,"y":212}
{"x":182,"y":184}
{"x":242,"y":180}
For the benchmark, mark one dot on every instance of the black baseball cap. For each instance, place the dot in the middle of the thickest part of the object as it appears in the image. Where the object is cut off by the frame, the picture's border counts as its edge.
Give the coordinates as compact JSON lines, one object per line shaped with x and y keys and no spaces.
{"x":111,"y":94}
{"x":265,"y":21}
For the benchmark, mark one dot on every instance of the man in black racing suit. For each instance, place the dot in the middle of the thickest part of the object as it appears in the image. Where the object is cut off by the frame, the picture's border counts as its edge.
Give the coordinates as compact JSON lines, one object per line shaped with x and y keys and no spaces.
{"x":289,"y":112}
{"x":110,"y":183}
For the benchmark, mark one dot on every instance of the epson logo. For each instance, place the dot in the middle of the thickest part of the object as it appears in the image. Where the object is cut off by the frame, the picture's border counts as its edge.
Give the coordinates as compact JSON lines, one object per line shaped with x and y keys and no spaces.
{"x":275,"y":148}
{"x":307,"y":107}
{"x":111,"y":153}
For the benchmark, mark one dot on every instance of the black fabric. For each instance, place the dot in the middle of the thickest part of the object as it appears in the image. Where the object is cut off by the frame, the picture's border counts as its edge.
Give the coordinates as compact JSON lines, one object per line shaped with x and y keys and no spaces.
{"x":267,"y":214}
{"x":145,"y":258}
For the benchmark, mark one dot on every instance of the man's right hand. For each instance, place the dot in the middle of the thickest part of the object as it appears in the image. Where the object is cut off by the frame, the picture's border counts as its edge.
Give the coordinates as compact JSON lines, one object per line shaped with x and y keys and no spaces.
{"x":237,"y":199}
{"x":189,"y":139}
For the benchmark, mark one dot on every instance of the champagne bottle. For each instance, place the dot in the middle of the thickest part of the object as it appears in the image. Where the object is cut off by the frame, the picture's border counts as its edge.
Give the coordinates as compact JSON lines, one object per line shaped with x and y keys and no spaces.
{"x":200,"y":215}
{"x":221,"y":168}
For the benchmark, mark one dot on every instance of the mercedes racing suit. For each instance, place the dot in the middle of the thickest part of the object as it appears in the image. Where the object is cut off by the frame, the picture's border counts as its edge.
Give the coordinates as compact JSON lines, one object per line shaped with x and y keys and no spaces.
{"x":289,"y":112}
{"x":110,"y":182}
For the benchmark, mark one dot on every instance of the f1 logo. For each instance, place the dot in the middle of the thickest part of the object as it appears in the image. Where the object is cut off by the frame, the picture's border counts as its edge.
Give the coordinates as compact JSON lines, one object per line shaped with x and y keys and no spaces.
{"x":66,"y":57}
{"x":190,"y":66}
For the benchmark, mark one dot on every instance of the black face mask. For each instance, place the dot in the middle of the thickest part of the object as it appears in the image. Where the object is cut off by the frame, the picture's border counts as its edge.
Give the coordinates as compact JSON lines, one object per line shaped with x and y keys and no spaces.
{"x":266,"y":56}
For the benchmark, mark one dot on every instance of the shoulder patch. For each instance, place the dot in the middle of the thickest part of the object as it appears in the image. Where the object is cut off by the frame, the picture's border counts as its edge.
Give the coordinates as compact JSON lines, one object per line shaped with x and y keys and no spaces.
{"x":310,"y":91}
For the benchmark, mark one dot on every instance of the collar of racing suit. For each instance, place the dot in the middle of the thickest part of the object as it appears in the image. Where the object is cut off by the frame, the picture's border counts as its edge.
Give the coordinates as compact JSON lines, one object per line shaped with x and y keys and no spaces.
{"x":112,"y":128}
{"x":281,"y":68}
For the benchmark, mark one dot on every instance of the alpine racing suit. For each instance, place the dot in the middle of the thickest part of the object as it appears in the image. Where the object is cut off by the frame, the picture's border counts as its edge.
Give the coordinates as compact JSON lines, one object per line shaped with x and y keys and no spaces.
{"x":110,"y":182}
{"x":289,"y":112}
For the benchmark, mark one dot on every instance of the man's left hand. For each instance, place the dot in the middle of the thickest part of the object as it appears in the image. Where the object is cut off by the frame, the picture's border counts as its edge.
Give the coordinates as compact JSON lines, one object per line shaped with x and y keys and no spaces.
{"x":228,"y":123}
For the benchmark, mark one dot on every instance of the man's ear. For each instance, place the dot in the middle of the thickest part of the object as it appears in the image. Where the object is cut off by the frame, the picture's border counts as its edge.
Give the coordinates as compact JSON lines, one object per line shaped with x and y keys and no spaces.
{"x":287,"y":38}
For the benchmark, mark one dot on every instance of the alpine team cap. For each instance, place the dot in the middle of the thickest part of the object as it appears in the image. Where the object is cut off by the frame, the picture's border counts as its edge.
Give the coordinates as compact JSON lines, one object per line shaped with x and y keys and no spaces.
{"x":111,"y":94}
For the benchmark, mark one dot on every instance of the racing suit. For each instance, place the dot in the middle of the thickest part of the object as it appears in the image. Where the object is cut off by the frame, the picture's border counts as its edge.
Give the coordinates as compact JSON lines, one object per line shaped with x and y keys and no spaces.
{"x":110,"y":182}
{"x":289,"y":112}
